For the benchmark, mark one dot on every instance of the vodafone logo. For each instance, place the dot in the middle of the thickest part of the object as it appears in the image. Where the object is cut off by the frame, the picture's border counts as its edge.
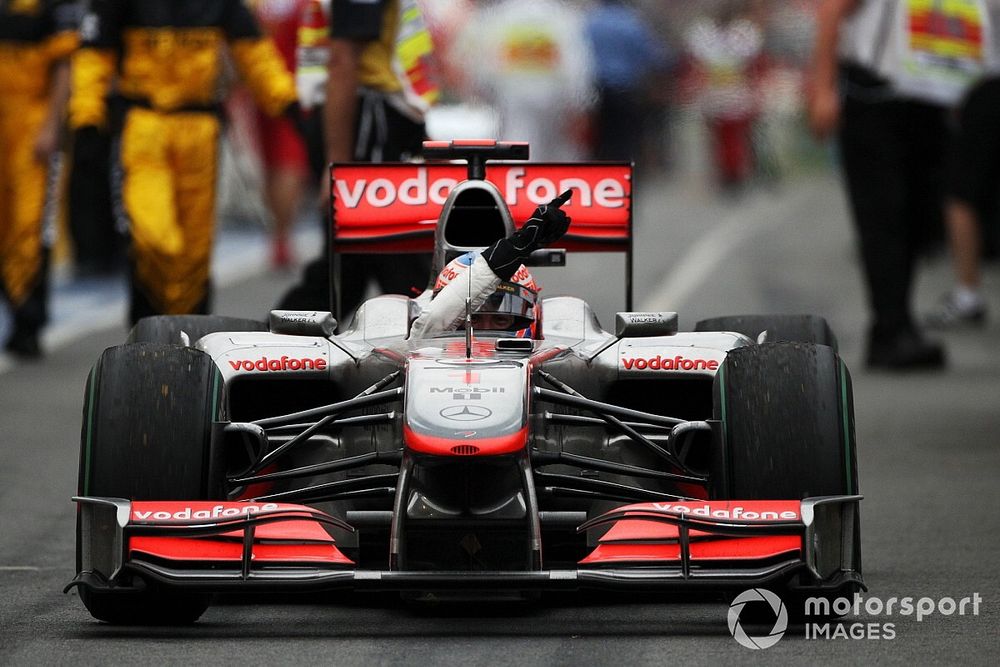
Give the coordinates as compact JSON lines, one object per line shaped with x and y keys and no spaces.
{"x":216,"y":512}
{"x":678,"y":363}
{"x":447,"y":275}
{"x":419,"y":190}
{"x":383,"y":192}
{"x":523,"y":277}
{"x":737,"y":512}
{"x":283,"y":363}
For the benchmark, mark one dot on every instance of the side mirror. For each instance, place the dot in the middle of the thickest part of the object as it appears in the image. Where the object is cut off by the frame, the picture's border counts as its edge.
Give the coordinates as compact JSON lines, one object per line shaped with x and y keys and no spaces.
{"x":644,"y":325}
{"x":547,"y":257}
{"x":302,"y":323}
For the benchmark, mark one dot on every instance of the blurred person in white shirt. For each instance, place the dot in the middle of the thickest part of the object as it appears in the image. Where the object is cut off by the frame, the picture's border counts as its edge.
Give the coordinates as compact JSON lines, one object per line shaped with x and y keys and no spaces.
{"x":530,"y":61}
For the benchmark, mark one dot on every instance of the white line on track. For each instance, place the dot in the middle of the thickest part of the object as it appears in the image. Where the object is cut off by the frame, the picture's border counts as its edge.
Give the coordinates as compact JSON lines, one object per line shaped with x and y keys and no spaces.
{"x":763,"y":213}
{"x":19,"y":568}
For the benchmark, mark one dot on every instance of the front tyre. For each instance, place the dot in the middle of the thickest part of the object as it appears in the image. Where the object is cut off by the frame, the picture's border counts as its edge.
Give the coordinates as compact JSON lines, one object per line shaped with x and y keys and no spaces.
{"x":147,"y":434}
{"x":788,"y":423}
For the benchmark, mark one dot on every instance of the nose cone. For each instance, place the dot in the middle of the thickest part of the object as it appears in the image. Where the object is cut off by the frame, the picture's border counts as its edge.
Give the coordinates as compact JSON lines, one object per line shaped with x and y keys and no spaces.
{"x":466,"y":408}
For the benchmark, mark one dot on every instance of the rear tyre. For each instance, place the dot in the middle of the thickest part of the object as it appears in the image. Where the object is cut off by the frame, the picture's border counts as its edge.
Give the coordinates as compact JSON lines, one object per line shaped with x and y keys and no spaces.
{"x":780,"y":328}
{"x":168,"y":328}
{"x":788,"y":423}
{"x":147,"y":434}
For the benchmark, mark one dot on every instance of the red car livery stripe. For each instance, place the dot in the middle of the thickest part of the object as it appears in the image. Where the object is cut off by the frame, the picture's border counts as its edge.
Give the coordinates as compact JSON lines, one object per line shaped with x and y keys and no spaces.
{"x":733,"y":548}
{"x":470,"y":446}
{"x":644,"y":540}
{"x":231,"y":550}
{"x":737,"y":510}
{"x":294,"y":537}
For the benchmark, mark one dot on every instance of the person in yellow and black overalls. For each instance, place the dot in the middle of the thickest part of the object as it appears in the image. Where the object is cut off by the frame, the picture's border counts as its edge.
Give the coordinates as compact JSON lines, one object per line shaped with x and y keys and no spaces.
{"x":167,"y":56}
{"x":36,"y":39}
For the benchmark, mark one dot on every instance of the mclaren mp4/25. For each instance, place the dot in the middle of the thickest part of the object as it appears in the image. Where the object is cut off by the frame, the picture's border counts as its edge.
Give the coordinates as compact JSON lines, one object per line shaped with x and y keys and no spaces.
{"x":228,"y":455}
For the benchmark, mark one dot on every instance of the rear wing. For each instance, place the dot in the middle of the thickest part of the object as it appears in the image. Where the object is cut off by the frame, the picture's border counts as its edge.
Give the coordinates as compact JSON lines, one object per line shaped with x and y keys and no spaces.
{"x":394,"y":207}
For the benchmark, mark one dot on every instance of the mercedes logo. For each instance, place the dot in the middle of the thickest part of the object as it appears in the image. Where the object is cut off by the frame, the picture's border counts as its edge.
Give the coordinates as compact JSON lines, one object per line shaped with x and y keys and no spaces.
{"x":466,"y":413}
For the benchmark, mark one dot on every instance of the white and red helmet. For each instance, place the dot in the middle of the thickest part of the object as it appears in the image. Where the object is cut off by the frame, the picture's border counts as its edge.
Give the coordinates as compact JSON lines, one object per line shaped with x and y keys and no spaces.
{"x":513,"y":306}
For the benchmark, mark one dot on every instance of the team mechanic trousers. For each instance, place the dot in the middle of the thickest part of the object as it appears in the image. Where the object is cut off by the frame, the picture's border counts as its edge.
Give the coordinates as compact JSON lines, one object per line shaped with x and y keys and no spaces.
{"x":26,"y":212}
{"x":166,"y":192}
{"x":893,"y":157}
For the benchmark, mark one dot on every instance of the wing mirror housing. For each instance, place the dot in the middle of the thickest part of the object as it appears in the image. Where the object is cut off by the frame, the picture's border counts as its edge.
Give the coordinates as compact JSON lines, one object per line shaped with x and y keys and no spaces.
{"x":302,"y":323}
{"x":547,"y":257}
{"x":644,"y":325}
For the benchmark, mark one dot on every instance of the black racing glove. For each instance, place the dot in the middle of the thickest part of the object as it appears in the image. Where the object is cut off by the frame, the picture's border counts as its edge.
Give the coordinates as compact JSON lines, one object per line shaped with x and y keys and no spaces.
{"x":546,"y":225}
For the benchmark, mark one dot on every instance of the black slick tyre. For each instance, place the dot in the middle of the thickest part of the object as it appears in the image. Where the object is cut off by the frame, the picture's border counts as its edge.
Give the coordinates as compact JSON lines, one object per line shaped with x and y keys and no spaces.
{"x":780,"y":328}
{"x":788,"y":423}
{"x":168,"y":328}
{"x":147,"y":434}
{"x":787,"y":418}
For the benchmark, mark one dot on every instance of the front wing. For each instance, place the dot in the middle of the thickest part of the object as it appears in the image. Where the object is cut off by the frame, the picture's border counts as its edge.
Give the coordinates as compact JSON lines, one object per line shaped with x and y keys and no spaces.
{"x":245,"y":546}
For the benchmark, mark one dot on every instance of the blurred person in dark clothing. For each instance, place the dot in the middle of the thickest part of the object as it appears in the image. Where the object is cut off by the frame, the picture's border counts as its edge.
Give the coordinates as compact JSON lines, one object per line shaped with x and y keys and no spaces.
{"x":168,"y":57}
{"x":36,"y":40}
{"x":897,"y":78}
{"x":97,"y":245}
{"x":380,"y":84}
{"x":283,"y":151}
{"x":973,"y":185}
{"x":626,"y":54}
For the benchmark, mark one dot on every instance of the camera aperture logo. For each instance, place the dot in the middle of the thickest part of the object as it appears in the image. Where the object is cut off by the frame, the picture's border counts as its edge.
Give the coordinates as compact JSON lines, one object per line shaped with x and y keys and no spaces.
{"x":853,"y":617}
{"x":780,"y":618}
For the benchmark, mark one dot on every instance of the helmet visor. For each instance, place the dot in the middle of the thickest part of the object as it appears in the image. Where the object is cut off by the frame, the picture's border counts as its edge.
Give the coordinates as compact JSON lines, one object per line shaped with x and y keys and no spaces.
{"x":510,"y":308}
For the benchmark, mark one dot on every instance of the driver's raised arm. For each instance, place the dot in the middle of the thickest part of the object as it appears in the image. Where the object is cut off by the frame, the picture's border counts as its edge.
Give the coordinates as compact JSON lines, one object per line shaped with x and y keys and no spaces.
{"x":487,"y":269}
{"x":447,"y":309}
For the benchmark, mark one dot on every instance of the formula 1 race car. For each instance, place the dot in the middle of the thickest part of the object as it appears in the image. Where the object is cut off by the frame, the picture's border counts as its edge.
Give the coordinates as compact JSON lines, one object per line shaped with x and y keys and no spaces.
{"x":227,"y":455}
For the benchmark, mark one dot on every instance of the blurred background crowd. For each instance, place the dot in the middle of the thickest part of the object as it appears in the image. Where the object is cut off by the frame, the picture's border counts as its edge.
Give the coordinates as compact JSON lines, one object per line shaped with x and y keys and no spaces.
{"x":710,"y":90}
{"x":710,"y":86}
{"x":712,"y":93}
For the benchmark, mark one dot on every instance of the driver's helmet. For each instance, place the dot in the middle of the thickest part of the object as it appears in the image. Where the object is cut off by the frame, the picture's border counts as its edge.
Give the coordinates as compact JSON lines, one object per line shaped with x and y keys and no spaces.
{"x":513,"y":306}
